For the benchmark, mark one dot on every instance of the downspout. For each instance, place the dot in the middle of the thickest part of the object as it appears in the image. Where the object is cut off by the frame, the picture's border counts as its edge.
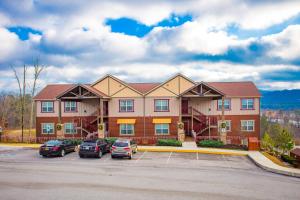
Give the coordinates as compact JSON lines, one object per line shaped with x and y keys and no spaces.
{"x":144,"y":113}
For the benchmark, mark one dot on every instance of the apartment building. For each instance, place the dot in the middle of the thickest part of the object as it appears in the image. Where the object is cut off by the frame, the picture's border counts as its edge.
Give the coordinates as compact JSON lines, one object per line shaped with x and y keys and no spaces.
{"x":177,"y":108}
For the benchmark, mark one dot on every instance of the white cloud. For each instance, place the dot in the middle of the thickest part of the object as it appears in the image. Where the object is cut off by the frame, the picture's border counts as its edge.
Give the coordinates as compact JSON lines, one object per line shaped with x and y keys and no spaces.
{"x":9,"y":44}
{"x":285,"y":44}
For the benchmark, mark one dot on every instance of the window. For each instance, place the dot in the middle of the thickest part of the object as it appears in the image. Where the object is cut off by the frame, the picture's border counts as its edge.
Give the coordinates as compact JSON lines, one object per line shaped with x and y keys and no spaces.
{"x":161,"y":105}
{"x":126,"y":105}
{"x":247,"y":125}
{"x":247,"y":104}
{"x":228,"y":125}
{"x":70,"y":106}
{"x":226,"y":104}
{"x":161,"y":129}
{"x":126,"y":129}
{"x":48,"y":128}
{"x":70,"y":128}
{"x":47,"y":106}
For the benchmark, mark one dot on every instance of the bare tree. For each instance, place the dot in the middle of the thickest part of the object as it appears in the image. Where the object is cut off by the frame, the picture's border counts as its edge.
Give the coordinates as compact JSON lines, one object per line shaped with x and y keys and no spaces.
{"x":22,"y":92}
{"x":37,"y":71}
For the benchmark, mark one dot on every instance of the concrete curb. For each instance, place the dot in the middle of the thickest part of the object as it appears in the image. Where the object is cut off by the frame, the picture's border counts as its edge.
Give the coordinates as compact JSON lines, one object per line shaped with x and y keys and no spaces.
{"x":191,"y":151}
{"x":284,"y":171}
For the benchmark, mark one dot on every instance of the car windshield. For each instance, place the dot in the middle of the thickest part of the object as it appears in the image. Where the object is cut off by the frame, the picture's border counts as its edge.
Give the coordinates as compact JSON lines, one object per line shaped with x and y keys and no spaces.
{"x":53,"y":142}
{"x":121,"y":144}
{"x":89,"y":142}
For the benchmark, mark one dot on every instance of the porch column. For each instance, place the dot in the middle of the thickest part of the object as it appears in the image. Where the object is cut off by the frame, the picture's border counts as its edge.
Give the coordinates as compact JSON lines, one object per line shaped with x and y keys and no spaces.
{"x":59,"y":131}
{"x":223,"y":130}
{"x":180,"y":129}
{"x":101,"y":126}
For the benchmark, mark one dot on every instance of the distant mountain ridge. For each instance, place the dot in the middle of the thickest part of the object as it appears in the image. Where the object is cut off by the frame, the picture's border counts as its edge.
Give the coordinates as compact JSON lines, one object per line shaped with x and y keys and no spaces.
{"x":280,"y":99}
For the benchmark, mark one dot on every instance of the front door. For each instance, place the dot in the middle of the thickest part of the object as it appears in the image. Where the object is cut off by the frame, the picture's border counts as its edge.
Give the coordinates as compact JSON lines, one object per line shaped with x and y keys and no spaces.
{"x":187,"y":129}
{"x":185,"y":106}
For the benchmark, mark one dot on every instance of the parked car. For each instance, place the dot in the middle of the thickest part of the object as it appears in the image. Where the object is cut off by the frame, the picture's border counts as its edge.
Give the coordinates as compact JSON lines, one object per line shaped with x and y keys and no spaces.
{"x":123,"y":148}
{"x":95,"y":148}
{"x":57,"y":148}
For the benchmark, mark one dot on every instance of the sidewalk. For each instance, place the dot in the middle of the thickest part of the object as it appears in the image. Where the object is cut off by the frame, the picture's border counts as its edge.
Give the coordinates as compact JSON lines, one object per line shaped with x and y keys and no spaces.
{"x":263,"y":162}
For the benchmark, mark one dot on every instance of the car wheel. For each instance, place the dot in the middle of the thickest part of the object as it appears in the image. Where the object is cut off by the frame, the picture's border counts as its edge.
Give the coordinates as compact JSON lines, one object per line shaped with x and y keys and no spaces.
{"x":112,"y":156}
{"x":62,"y":153}
{"x":100,"y":154}
{"x":81,"y":156}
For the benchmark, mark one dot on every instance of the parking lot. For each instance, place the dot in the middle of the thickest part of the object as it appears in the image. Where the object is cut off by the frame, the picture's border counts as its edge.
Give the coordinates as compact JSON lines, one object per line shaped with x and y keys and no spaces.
{"x":149,"y":175}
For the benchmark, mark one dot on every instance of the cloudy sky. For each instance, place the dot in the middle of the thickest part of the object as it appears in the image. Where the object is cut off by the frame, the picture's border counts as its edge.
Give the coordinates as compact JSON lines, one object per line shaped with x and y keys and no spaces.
{"x":149,"y":41}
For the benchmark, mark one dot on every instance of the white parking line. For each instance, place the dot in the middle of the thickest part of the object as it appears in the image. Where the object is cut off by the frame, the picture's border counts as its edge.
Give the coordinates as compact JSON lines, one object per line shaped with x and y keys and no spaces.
{"x":168,"y":160}
{"x":197,"y":156}
{"x":140,"y":157}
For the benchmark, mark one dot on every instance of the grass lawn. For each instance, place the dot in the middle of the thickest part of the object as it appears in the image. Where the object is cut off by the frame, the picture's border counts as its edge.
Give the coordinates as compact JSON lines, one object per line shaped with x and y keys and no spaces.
{"x":18,"y":132}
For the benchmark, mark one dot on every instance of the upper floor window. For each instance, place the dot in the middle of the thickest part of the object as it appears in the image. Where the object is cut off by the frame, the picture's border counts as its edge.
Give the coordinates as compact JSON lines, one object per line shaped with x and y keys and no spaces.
{"x":226,"y":104}
{"x":247,"y":125}
{"x":47,"y":106}
{"x":70,"y":106}
{"x":126,"y":105}
{"x":161,"y":105}
{"x":247,"y":104}
{"x":70,"y":128}
{"x":47,"y":128}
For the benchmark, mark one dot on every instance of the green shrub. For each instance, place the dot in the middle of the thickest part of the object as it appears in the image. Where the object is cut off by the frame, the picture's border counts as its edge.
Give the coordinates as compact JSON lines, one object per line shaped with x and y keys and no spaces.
{"x":111,"y":140}
{"x":210,"y":143}
{"x":76,"y":141}
{"x":288,"y":159}
{"x":169,"y":142}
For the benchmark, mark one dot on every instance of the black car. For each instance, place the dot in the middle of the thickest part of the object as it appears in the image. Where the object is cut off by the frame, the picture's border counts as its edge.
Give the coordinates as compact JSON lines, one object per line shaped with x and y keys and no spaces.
{"x":95,"y":148}
{"x":57,"y":148}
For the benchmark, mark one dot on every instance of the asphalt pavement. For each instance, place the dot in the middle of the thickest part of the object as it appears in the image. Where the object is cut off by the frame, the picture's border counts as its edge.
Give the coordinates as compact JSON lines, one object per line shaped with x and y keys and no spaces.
{"x":149,"y":175}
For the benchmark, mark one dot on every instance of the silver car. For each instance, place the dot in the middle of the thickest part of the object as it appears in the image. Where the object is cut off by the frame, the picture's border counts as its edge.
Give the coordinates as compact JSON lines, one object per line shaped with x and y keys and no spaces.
{"x":123,"y":148}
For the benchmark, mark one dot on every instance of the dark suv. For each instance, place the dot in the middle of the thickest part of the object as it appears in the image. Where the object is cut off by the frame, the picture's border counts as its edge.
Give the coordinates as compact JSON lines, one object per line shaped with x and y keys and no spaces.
{"x":95,"y":148}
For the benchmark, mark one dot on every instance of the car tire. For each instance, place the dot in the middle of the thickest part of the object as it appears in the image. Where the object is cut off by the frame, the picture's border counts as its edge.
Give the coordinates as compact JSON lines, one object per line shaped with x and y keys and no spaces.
{"x":81,"y":156}
{"x":100,"y":154}
{"x":112,"y":156}
{"x":62,"y":153}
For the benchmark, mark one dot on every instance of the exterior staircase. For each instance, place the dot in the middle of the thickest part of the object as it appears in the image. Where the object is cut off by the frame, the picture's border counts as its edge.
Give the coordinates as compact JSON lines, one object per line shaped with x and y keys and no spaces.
{"x":202,"y":123}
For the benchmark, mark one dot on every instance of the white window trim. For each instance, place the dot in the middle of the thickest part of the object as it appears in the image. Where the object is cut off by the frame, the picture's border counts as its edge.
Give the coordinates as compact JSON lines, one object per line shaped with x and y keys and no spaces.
{"x":46,"y":132}
{"x":247,"y":125}
{"x":219,"y":124}
{"x":162,"y":133}
{"x":120,"y":132}
{"x":75,"y":132}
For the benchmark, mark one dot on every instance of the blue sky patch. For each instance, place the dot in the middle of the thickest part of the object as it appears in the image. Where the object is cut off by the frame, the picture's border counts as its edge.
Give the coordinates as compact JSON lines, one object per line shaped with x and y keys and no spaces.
{"x":234,"y":29}
{"x":23,"y":32}
{"x":132,"y":27}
